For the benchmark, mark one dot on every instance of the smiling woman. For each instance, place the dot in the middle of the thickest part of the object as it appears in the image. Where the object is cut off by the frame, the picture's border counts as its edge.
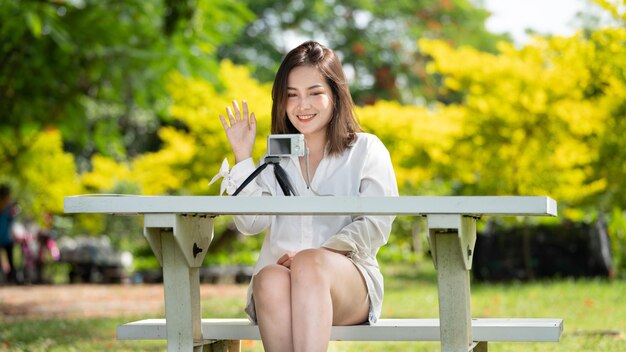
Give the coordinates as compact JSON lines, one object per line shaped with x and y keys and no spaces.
{"x":318,"y":70}
{"x":313,"y":271}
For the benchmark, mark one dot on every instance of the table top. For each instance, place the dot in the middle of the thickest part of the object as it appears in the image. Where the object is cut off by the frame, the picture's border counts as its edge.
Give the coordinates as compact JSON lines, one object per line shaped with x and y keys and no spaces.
{"x":330,"y":205}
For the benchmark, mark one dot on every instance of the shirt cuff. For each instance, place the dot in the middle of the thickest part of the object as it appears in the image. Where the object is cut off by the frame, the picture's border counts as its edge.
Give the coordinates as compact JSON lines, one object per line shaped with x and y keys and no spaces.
{"x":233,"y":177}
{"x":340,"y":243}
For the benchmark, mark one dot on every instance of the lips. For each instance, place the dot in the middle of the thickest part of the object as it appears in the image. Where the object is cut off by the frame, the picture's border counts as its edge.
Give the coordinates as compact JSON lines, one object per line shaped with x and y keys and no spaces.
{"x":306,"y":117}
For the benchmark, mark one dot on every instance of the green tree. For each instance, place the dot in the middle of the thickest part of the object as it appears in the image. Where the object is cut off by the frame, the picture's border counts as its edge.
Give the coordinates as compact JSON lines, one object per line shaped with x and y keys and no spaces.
{"x":546,"y":119}
{"x":96,"y":71}
{"x":376,"y":40}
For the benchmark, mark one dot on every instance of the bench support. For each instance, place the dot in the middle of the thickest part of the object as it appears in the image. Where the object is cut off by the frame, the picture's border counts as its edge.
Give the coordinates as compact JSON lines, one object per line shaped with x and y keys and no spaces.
{"x":452,"y":239}
{"x":182,"y":298}
{"x":180,"y":243}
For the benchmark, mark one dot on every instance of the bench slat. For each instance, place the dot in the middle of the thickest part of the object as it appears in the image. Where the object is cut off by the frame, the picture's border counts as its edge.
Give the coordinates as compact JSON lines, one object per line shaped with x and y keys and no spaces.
{"x":483,"y":329}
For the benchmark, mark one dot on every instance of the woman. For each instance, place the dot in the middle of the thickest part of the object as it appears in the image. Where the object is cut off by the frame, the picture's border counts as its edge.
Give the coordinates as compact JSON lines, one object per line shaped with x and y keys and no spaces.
{"x":313,"y":271}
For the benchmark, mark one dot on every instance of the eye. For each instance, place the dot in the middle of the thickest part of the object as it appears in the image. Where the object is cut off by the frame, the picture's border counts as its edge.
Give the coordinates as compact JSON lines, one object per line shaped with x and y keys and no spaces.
{"x":291,"y":95}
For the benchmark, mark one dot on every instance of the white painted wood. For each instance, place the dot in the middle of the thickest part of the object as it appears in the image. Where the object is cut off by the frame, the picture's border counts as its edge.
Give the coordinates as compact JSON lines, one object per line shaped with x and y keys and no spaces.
{"x":172,"y":227}
{"x":182,"y":299}
{"x":493,"y":330}
{"x":452,"y":239}
{"x":153,"y":236}
{"x":464,"y":226}
{"x":159,"y":220}
{"x":454,"y":293}
{"x":406,"y":205}
{"x":193,"y":234}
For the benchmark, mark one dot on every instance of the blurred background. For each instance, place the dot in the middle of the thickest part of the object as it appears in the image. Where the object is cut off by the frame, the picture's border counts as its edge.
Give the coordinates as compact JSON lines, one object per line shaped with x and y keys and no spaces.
{"x":470,"y":97}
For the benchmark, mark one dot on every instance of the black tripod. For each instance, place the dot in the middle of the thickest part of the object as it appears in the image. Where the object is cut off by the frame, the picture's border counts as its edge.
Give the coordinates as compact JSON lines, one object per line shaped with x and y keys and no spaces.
{"x":279,"y":172}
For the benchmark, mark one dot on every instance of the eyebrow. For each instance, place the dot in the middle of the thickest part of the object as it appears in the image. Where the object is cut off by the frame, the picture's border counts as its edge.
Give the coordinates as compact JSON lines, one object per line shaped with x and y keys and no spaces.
{"x":318,"y":85}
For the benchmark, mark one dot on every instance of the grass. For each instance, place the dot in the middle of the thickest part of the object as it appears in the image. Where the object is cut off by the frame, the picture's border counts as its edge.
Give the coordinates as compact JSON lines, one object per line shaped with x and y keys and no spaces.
{"x":594,"y":313}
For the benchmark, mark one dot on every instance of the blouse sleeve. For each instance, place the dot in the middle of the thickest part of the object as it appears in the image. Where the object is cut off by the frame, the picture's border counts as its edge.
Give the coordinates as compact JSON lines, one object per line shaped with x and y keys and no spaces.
{"x":365,"y":234}
{"x":248,"y":224}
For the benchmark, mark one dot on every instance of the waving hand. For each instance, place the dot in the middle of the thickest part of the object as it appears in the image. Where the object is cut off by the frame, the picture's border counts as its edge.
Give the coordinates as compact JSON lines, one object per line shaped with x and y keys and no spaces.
{"x":240,"y":130}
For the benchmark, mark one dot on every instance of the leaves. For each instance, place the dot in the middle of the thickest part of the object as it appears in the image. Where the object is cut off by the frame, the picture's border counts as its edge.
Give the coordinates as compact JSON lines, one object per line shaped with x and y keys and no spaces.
{"x":95,"y":72}
{"x":376,"y":43}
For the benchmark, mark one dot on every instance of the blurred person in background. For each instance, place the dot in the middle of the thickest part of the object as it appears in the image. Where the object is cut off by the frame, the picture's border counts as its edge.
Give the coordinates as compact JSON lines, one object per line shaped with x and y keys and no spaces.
{"x":7,"y":214}
{"x":47,"y":249}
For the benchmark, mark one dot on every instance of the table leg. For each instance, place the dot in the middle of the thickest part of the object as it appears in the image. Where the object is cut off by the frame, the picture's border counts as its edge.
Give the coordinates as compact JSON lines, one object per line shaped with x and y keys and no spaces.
{"x":452,"y":239}
{"x":182,"y":297}
{"x":454,"y":295}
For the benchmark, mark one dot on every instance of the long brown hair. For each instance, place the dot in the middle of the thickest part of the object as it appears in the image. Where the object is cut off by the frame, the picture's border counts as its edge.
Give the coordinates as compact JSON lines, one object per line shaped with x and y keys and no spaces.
{"x":343,"y":124}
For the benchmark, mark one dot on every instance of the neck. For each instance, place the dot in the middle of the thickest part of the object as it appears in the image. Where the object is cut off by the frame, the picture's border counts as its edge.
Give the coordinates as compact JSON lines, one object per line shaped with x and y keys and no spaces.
{"x":315,"y":145}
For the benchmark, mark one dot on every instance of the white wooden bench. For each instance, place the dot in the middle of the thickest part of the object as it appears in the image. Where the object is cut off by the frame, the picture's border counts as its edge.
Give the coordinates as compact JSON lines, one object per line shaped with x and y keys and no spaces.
{"x":180,"y":229}
{"x":226,"y":334}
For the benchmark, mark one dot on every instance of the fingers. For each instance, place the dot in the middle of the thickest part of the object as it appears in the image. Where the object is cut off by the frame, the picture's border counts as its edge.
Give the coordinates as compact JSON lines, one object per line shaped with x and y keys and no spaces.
{"x":237,"y":111}
{"x":286,"y":264}
{"x":224,"y":123}
{"x":235,"y":114}
{"x":286,"y":259}
{"x":245,"y":109}
{"x":230,"y":115}
{"x":282,"y":259}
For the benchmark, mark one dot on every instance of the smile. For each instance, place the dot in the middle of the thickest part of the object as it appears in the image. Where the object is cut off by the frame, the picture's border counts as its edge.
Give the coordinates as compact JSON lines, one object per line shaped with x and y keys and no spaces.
{"x":306,"y":117}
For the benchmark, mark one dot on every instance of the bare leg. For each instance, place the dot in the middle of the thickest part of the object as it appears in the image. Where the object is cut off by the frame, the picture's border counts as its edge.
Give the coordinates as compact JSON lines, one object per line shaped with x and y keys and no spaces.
{"x":271,"y":290}
{"x":326,"y":289}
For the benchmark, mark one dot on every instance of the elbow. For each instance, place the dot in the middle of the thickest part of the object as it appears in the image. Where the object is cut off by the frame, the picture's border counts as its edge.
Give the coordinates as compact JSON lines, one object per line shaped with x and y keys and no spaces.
{"x":250,"y":225}
{"x":383,"y":231}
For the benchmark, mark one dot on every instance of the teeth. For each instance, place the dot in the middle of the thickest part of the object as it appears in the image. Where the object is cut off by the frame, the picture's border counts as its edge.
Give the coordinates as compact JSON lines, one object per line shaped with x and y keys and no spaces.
{"x":305,"y":117}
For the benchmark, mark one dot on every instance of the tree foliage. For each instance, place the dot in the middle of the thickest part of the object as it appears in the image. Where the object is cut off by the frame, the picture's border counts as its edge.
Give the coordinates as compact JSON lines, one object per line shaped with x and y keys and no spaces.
{"x":47,"y":172}
{"x":376,"y":40}
{"x":190,"y":155}
{"x":617,"y":8}
{"x":124,"y":96}
{"x":543,"y":119}
{"x":95,"y":72}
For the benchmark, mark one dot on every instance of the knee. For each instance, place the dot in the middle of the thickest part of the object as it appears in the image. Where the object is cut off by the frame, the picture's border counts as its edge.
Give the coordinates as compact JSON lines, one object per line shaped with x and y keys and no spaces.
{"x":270,"y":282}
{"x":310,"y":264}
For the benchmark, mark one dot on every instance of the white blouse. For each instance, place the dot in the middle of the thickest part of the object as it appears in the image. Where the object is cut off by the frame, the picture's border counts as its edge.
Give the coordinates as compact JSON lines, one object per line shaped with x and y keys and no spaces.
{"x":364,"y":169}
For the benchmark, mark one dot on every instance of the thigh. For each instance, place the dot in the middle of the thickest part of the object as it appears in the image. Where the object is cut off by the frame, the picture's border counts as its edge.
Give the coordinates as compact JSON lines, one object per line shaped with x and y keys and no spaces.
{"x":348,"y":291}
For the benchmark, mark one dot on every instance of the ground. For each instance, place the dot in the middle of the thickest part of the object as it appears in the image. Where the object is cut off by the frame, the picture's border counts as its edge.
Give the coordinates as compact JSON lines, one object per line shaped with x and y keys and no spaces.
{"x":91,"y":300}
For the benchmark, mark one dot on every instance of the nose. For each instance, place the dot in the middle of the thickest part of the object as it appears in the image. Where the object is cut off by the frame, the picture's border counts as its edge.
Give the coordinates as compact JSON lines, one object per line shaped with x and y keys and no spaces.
{"x":305,"y":103}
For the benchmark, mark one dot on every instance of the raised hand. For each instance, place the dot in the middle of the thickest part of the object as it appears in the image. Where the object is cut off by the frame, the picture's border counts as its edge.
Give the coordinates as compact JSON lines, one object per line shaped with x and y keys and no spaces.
{"x":240,"y":130}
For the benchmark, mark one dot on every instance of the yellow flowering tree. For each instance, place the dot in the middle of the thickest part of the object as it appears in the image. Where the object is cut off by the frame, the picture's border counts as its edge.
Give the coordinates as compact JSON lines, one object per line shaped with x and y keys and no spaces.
{"x":192,"y":152}
{"x":41,"y":174}
{"x":418,"y":139}
{"x":197,"y":104}
{"x":545,"y":119}
{"x":535,"y":118}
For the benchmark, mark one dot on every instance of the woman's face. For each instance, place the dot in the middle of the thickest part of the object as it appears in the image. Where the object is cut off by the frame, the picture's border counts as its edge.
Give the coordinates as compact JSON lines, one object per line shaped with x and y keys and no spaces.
{"x":309,"y":102}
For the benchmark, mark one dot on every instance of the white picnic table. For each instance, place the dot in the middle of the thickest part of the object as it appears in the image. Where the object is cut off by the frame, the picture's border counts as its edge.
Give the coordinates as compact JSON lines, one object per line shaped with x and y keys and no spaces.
{"x":179,"y":230}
